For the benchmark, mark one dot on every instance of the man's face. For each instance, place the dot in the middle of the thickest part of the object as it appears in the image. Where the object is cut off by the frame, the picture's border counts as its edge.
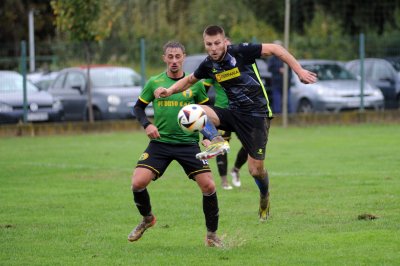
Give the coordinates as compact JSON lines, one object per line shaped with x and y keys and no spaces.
{"x":215,"y":46}
{"x":174,"y":58}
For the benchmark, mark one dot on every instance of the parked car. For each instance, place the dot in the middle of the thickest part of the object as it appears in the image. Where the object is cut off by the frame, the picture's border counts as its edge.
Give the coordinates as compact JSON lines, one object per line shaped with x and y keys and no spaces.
{"x":41,"y":106}
{"x":395,"y":61}
{"x":193,"y":61}
{"x":115,"y":91}
{"x":336,"y":90}
{"x":382,"y":74}
{"x":42,"y":80}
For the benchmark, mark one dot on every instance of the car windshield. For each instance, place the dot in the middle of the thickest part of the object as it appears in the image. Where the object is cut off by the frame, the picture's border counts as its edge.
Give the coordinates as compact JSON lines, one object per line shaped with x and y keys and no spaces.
{"x":114,"y":77}
{"x":329,"y":71}
{"x":13,"y":82}
{"x":395,"y":63}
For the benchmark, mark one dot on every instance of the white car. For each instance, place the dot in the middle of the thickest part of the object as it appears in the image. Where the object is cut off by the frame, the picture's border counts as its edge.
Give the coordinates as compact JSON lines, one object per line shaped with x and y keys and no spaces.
{"x":336,"y":90}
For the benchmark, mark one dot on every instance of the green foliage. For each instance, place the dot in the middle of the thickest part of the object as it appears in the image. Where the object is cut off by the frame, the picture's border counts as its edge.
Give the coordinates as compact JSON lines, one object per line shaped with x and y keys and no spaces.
{"x":115,"y":27}
{"x":323,"y":38}
{"x":88,"y":20}
{"x":250,"y":29}
{"x":66,"y":200}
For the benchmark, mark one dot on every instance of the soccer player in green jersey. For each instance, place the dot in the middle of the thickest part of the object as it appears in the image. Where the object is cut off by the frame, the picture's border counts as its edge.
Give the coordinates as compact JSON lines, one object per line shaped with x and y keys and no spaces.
{"x":169,"y":142}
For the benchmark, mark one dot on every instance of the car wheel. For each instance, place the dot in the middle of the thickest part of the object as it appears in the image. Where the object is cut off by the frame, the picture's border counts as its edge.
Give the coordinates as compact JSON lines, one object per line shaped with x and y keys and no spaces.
{"x":305,"y":106}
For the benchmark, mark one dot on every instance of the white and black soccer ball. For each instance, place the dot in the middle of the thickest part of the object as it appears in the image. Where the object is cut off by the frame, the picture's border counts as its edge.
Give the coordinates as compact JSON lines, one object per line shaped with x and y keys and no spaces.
{"x":192,"y":118}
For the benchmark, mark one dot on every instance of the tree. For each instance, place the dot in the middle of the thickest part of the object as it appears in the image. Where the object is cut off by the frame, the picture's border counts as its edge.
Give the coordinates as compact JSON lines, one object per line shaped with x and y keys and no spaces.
{"x":81,"y":21}
{"x":14,"y":27}
{"x":323,"y":38}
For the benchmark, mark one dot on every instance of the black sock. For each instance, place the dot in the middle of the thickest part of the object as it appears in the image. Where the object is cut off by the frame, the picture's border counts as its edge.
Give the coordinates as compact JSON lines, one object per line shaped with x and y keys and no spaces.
{"x":222,"y":164}
{"x":142,"y":201}
{"x":241,"y":158}
{"x":211,"y":211}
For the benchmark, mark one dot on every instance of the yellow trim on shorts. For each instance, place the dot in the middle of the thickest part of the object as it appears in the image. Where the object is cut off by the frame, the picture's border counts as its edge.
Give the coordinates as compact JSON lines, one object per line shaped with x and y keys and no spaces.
{"x":148,"y":167}
{"x":192,"y":174}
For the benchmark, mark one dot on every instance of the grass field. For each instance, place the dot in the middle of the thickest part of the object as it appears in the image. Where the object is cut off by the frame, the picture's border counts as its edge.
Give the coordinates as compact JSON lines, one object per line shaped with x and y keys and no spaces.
{"x":66,"y":200}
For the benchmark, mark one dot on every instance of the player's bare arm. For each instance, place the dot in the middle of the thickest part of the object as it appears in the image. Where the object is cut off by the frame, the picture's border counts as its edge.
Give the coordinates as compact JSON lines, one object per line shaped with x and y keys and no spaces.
{"x":304,"y":75}
{"x":179,"y":86}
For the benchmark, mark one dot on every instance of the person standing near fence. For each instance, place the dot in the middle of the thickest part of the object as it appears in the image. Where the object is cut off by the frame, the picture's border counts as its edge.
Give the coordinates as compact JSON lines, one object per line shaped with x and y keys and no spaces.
{"x":275,"y":66}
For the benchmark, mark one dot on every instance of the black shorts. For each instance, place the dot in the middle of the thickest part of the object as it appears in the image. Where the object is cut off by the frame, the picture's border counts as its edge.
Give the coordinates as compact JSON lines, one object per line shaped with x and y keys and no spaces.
{"x":252,"y":131}
{"x":159,"y":155}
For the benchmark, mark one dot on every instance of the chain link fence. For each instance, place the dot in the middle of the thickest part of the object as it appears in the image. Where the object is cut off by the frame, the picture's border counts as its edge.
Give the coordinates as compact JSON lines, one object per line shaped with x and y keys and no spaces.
{"x":54,"y":56}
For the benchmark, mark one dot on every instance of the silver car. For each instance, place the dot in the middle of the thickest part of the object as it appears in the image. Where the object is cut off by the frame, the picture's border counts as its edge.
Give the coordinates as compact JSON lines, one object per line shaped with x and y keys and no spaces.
{"x":41,"y":106}
{"x":383,"y":75}
{"x":42,"y":80}
{"x":336,"y":90}
{"x":115,"y":90}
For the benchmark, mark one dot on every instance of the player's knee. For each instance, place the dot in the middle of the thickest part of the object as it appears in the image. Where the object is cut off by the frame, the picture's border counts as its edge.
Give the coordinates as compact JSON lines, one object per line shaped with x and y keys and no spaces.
{"x":257,"y":172}
{"x":138,"y":184}
{"x":208,"y":187}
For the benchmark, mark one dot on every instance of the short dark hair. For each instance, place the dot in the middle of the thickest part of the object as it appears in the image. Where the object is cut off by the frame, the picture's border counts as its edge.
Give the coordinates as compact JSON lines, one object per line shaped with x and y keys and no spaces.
{"x":213,"y":30}
{"x":173,"y":44}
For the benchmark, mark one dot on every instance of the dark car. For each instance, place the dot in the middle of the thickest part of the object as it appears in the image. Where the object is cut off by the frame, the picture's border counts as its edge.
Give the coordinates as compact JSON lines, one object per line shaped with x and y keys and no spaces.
{"x":336,"y":90}
{"x":115,"y":90}
{"x":41,"y":106}
{"x":382,"y":74}
{"x":193,"y":61}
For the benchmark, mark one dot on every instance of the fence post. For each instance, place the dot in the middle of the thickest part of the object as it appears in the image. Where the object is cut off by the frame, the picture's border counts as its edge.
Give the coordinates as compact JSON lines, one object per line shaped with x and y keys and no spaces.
{"x":23,"y":72}
{"x":143,"y":61}
{"x":31,"y":27}
{"x":362,"y":55}
{"x":285,"y":95}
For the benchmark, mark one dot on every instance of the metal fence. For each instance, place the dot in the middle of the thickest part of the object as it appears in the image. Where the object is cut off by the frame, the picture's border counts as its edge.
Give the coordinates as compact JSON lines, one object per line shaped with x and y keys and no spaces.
{"x":144,"y":55}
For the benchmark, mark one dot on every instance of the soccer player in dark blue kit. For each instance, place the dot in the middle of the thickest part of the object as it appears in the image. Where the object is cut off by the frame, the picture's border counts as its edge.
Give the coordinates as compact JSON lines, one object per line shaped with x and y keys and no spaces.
{"x":248,"y":113}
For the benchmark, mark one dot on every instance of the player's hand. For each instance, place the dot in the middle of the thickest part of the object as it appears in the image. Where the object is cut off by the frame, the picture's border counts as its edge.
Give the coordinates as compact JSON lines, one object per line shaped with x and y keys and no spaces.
{"x":206,"y":142}
{"x":152,"y":132}
{"x":307,"y":77}
{"x":162,"y":92}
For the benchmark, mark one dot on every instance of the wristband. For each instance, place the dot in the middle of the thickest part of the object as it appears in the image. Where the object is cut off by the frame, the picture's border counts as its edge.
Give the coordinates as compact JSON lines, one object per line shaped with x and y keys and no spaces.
{"x":146,"y":124}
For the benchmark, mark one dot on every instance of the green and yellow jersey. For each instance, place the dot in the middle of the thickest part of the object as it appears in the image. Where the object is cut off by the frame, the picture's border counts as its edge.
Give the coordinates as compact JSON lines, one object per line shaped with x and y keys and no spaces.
{"x":166,"y":109}
{"x":221,"y":100}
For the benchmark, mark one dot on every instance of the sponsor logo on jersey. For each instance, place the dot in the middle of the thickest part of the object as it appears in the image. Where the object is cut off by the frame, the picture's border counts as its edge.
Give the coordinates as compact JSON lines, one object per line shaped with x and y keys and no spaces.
{"x":173,"y":103}
{"x":227,"y":75}
{"x":187,"y":93}
{"x":144,"y":156}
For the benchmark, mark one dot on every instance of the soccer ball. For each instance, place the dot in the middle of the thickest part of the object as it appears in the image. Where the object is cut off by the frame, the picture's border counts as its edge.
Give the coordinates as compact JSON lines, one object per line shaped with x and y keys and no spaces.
{"x":192,"y":118}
